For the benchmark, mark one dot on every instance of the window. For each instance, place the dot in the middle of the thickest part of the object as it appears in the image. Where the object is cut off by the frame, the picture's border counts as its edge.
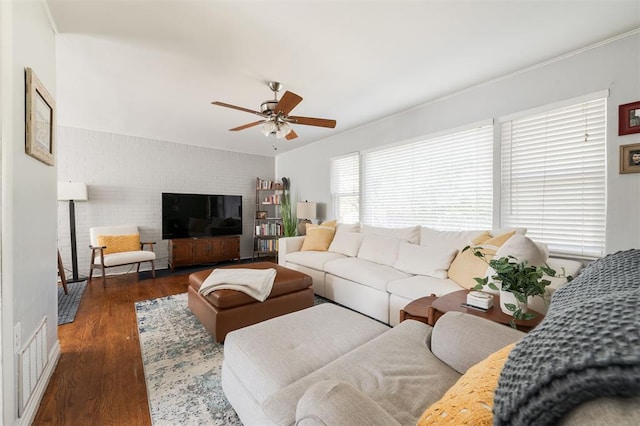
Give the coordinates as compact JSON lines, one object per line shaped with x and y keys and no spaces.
{"x":443,"y":182}
{"x":345,"y":188}
{"x":553,"y":177}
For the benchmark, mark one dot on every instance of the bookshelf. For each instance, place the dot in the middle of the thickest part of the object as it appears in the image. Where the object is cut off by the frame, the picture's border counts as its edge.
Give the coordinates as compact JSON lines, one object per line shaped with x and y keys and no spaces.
{"x":268,"y":221}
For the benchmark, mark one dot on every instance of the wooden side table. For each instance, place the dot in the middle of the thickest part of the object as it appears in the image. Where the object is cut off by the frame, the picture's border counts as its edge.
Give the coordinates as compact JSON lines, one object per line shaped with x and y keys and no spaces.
{"x":419,"y":310}
{"x":453,"y":301}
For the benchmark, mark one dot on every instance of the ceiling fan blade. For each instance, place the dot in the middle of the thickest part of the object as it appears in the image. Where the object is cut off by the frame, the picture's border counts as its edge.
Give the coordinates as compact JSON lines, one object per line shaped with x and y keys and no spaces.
{"x":246,"y":126}
{"x":291,"y":135}
{"x":222,"y":104}
{"x":288,"y":102}
{"x":309,"y":121}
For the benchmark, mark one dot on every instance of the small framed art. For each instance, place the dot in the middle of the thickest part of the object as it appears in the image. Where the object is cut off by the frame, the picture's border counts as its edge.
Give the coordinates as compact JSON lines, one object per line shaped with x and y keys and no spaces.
{"x":630,"y":158}
{"x":40,"y":119}
{"x":629,"y":118}
{"x":261,"y":214}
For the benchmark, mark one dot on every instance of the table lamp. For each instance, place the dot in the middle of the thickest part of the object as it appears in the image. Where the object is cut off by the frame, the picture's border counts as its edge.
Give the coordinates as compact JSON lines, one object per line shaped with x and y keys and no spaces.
{"x":305,"y":212}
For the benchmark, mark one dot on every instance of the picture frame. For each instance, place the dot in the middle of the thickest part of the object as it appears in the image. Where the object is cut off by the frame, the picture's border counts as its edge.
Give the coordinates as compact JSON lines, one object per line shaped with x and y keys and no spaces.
{"x":630,"y":158}
{"x":261,"y":214}
{"x":40,"y":119}
{"x":629,"y":118}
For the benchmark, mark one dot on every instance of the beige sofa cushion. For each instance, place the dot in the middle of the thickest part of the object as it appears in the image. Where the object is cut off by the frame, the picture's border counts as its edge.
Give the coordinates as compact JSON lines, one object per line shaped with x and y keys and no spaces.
{"x":347,"y":243}
{"x":462,"y":340}
{"x":272,"y":354}
{"x":409,"y":233}
{"x":379,"y":249}
{"x":362,"y":271}
{"x":313,"y":259}
{"x":396,"y":370}
{"x":424,"y":260}
{"x":418,"y":286}
{"x":451,"y":239}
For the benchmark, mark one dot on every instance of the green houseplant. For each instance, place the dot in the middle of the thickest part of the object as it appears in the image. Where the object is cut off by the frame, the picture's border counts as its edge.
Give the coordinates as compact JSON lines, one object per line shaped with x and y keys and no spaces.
{"x":517,"y":277}
{"x":289,"y":221}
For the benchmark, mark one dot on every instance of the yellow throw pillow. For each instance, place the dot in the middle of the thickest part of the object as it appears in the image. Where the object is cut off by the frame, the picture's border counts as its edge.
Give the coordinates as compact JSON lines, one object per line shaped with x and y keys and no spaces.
{"x":319,"y":237}
{"x":466,"y":266}
{"x":470,"y":400}
{"x":119,"y":243}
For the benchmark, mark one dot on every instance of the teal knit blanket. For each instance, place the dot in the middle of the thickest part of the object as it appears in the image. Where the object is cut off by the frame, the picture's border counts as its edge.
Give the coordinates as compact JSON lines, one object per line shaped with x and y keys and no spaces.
{"x":587,"y":347}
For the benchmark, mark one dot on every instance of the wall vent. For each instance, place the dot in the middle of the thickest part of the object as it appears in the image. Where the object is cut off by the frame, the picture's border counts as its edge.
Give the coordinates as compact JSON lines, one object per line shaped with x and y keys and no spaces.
{"x":32,"y":360}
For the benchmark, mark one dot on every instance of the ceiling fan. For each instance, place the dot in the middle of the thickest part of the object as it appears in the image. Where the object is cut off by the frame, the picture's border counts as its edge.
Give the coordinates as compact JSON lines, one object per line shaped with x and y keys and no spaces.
{"x":276,"y":115}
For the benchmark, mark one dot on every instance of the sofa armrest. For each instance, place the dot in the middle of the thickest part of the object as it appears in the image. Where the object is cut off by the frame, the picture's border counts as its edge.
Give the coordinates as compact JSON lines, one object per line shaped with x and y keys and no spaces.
{"x":461,"y":340}
{"x":331,"y":402}
{"x":288,"y":245}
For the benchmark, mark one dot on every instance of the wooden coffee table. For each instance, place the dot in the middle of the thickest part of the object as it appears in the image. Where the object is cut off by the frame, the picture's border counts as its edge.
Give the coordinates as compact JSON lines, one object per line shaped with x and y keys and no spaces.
{"x":453,"y":302}
{"x":419,"y":310}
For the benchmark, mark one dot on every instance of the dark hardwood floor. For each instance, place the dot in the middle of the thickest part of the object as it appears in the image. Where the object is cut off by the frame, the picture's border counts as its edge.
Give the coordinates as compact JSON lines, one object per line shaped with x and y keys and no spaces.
{"x":99,"y":378}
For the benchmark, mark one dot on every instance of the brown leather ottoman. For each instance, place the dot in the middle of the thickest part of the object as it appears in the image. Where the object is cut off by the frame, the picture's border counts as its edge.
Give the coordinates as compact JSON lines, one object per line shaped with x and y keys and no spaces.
{"x":223,"y":311}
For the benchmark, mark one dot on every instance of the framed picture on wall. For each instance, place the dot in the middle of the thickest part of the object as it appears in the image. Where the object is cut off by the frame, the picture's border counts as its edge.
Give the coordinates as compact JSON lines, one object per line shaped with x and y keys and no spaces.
{"x":629,"y":118}
{"x":40,"y":119}
{"x":630,"y":158}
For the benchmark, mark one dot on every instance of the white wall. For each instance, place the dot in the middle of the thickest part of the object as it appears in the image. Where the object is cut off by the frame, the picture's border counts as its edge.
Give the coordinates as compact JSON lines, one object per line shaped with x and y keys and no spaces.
{"x":29,"y":224}
{"x":612,"y":66}
{"x":126,"y":176}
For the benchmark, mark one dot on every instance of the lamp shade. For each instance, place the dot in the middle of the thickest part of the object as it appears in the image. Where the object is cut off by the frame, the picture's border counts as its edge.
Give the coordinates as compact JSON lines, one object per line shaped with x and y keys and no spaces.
{"x":76,"y":191}
{"x":306,"y":210}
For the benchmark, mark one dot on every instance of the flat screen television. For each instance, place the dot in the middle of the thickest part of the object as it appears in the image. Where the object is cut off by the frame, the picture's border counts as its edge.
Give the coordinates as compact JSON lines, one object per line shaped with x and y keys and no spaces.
{"x":199,"y":215}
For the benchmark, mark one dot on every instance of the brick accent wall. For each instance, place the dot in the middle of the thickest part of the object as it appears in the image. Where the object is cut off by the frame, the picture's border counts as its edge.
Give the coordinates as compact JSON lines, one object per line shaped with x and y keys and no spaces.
{"x":126,"y":176}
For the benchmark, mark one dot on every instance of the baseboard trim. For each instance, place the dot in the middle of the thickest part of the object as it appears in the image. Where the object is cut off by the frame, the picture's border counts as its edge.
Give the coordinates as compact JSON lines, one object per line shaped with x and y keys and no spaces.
{"x":31,"y":409}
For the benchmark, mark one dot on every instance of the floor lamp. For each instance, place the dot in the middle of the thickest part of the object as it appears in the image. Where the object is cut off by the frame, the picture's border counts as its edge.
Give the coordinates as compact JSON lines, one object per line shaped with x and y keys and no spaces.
{"x":73,"y":191}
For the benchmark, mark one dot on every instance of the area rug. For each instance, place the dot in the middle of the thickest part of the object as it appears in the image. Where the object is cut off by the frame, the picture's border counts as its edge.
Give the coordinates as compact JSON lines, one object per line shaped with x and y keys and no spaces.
{"x":182,"y":365}
{"x":68,"y":303}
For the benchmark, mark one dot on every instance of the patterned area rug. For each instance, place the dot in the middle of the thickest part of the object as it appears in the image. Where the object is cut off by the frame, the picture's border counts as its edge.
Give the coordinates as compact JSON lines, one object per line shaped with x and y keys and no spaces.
{"x":182,"y":365}
{"x":68,"y":303}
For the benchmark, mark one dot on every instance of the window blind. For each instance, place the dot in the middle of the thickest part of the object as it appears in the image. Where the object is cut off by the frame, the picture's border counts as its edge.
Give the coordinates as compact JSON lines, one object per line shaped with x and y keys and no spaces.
{"x":444,"y":182}
{"x":345,"y":187}
{"x":553,"y":177}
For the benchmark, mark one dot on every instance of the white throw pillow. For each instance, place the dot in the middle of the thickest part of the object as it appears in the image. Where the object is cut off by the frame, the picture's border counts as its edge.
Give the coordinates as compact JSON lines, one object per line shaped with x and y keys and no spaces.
{"x":379,"y":249}
{"x":347,"y":243}
{"x":449,"y":239}
{"x":424,"y":260}
{"x":523,"y":248}
{"x":347,"y":227}
{"x":410,"y":233}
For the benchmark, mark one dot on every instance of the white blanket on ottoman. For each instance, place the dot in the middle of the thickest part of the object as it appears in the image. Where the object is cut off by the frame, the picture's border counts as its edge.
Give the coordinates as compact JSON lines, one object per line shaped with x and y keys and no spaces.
{"x":257,"y":283}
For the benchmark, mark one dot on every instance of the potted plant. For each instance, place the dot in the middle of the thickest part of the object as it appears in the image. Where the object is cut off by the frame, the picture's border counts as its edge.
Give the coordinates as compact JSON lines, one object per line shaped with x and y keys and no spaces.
{"x":518,"y":279}
{"x":289,"y":221}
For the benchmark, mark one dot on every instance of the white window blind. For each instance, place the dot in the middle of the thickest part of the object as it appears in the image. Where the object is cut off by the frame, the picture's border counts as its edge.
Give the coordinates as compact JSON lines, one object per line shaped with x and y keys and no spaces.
{"x":553,"y":177}
{"x":444,"y":182}
{"x":345,"y":188}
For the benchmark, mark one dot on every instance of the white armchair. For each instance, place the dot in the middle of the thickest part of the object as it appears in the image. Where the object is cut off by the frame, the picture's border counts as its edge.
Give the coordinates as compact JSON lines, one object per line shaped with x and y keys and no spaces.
{"x":117,"y":246}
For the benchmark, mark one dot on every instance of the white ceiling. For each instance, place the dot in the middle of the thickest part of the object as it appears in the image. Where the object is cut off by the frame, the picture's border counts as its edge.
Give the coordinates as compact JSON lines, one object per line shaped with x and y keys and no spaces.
{"x":151,"y":68}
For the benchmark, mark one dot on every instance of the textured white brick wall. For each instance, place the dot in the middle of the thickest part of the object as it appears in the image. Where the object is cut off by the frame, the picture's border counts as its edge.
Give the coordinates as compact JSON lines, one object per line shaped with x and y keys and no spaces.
{"x":126,"y":176}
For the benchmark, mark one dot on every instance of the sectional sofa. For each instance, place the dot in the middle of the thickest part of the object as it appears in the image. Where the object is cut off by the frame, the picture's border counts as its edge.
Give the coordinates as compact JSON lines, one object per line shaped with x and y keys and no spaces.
{"x":377,"y":270}
{"x":328,"y":365}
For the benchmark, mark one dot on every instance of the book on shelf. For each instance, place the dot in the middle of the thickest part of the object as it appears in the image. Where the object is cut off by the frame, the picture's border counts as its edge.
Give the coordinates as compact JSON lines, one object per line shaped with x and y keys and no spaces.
{"x":271,"y":199}
{"x":268,"y":184}
{"x":267,"y":245}
{"x":269,"y":229}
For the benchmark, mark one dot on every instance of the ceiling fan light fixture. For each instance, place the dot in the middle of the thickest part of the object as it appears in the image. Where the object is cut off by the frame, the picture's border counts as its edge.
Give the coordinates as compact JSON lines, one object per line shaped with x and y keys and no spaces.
{"x":268,"y":127}
{"x":283,"y":130}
